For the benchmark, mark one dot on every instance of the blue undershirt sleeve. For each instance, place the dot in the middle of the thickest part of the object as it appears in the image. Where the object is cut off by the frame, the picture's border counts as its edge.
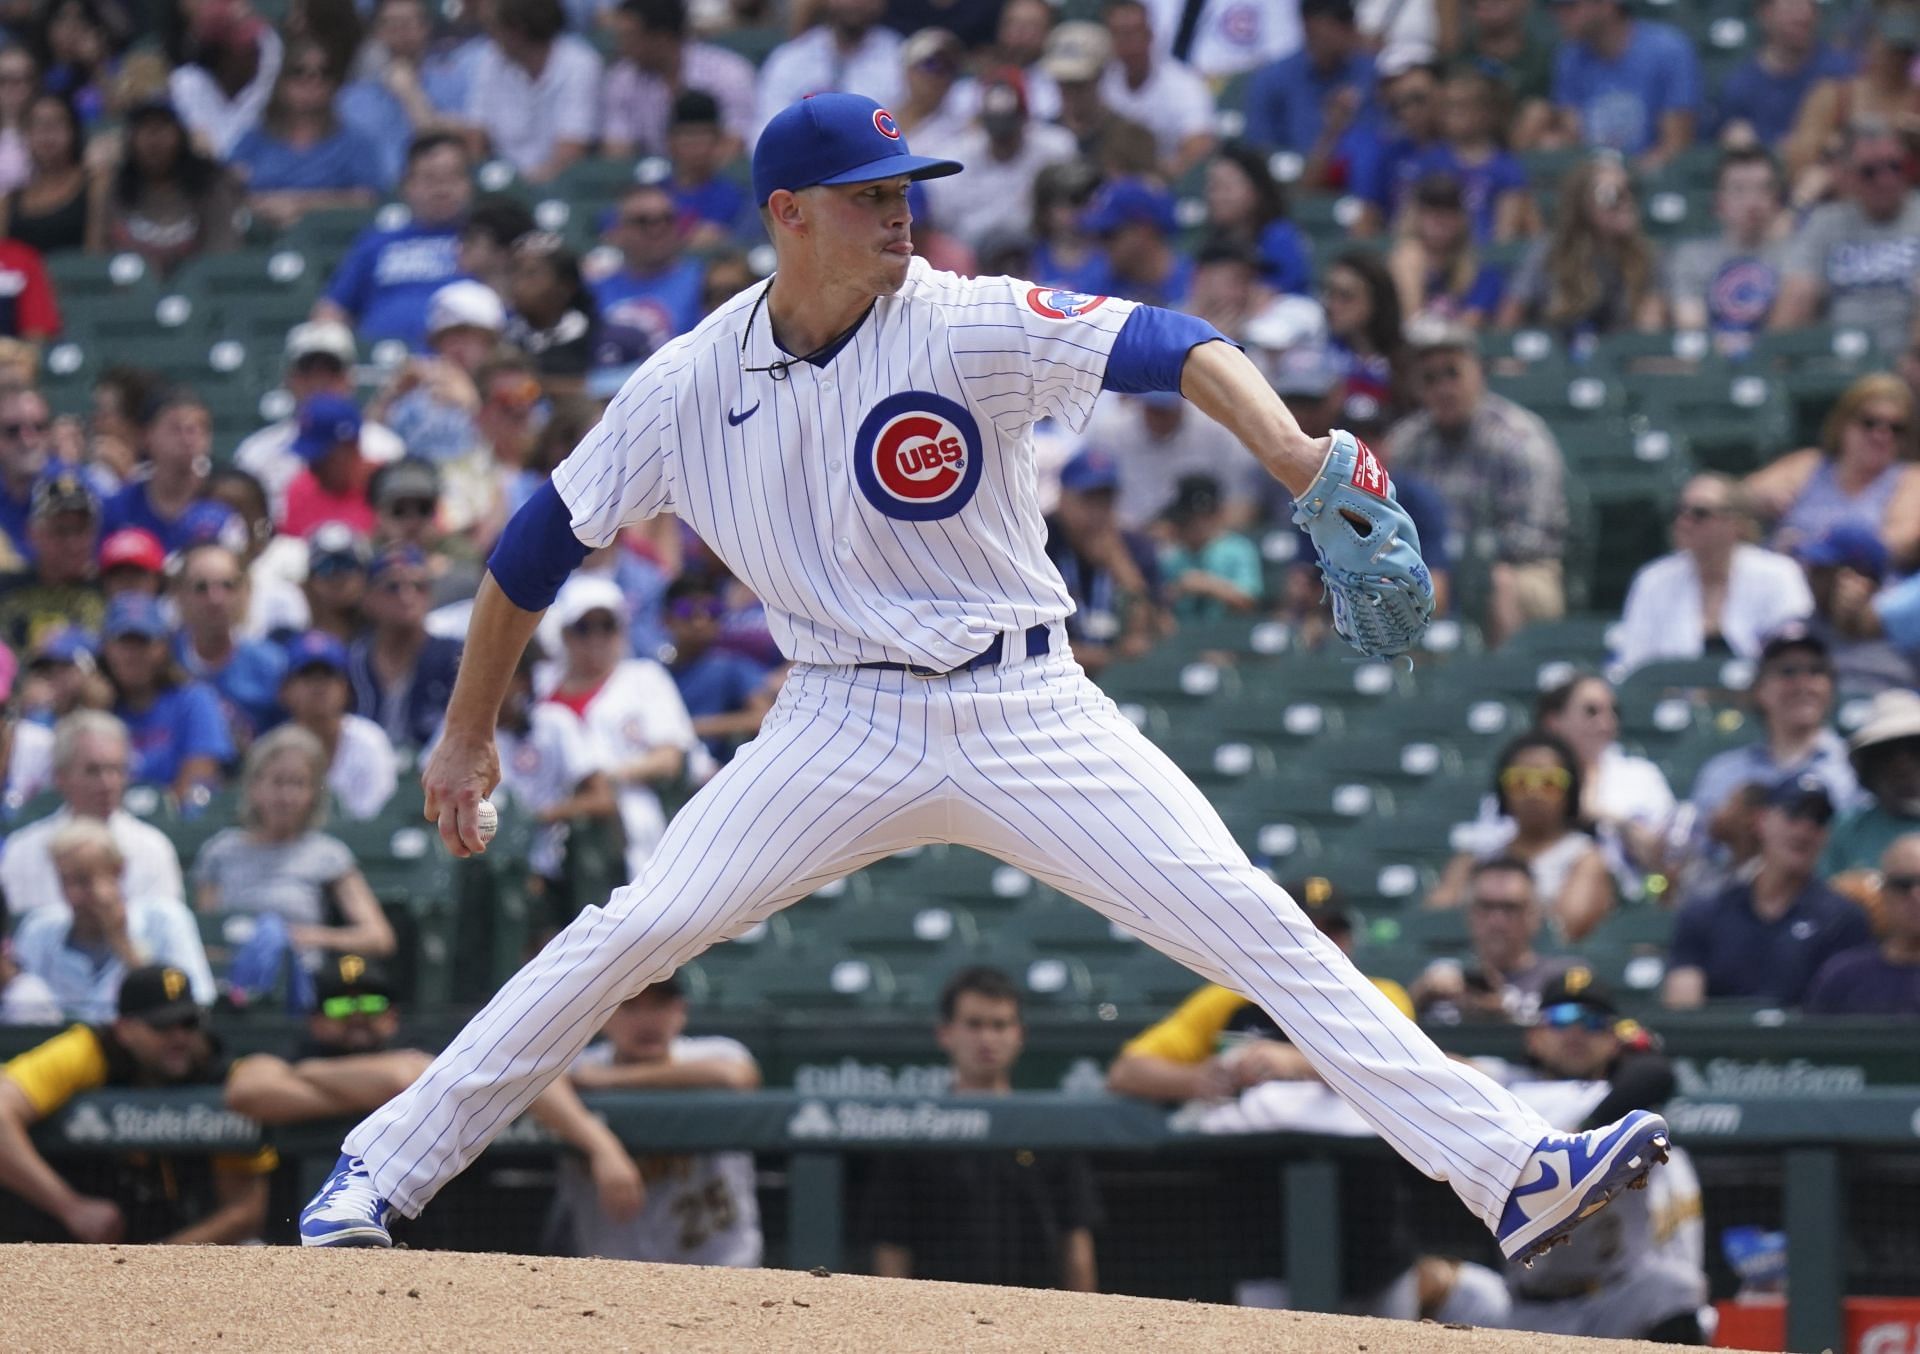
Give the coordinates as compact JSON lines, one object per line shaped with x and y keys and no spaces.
{"x":1152,"y":347}
{"x":537,"y":551}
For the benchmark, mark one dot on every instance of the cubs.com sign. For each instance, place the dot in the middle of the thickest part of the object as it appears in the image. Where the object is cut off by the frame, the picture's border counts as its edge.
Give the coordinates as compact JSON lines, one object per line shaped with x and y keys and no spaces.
{"x":916,"y":456}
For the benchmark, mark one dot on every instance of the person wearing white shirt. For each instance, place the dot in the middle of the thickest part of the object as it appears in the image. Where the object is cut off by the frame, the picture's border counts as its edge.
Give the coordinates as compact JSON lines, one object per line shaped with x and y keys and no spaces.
{"x":90,"y":758}
{"x":1625,"y":798}
{"x":630,"y":706}
{"x":1003,"y":154}
{"x":1021,"y":42}
{"x":1230,"y":36}
{"x":1157,"y":92}
{"x":552,"y":768}
{"x":848,"y":51}
{"x":362,"y":771}
{"x":83,"y":948}
{"x":216,"y":115}
{"x":29,"y":760}
{"x":1714,"y":593}
{"x":535,"y":96}
{"x":1157,"y":442}
{"x":939,"y":102}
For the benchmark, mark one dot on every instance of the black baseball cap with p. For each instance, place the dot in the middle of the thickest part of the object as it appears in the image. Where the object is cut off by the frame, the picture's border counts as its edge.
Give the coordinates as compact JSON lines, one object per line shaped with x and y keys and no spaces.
{"x":835,"y":138}
{"x":159,"y":995}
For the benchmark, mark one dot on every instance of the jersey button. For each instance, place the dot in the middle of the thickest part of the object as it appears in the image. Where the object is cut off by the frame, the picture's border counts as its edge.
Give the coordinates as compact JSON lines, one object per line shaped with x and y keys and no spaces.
{"x":834,"y":466}
{"x":845,"y":547}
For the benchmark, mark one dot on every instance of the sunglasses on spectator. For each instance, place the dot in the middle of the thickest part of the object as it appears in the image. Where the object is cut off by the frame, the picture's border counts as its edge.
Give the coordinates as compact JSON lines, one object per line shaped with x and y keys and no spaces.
{"x":400,"y":585}
{"x":1881,"y":425}
{"x":697,"y":608}
{"x":601,"y":624}
{"x":366,"y":1004}
{"x":32,"y":425}
{"x":1900,"y":883}
{"x":1536,"y":778}
{"x":647,"y":220}
{"x":1874,"y":169}
{"x":411,"y":507}
{"x":1572,"y":1015}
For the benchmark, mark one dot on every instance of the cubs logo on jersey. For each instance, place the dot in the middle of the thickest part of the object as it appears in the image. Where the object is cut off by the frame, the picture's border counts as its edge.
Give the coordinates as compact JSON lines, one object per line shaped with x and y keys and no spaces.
{"x":916,"y":456}
{"x":1057,"y":303}
{"x":884,"y":124}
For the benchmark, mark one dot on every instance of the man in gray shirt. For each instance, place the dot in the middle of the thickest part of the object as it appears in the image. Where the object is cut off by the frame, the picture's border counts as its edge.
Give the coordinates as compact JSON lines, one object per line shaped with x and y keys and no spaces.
{"x":1859,"y":258}
{"x":1728,"y":284}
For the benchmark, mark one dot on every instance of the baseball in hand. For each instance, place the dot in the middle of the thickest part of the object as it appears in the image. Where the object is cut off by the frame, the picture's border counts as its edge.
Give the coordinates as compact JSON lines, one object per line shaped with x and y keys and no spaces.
{"x":486,"y":820}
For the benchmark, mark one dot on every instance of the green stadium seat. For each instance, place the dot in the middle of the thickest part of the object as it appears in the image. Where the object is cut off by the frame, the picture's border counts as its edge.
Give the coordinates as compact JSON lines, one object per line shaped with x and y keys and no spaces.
{"x":1170,"y":676}
{"x":808,"y":980}
{"x":899,"y":933}
{"x":1734,"y":424}
{"x":753,"y":43}
{"x":1064,"y":926}
{"x":1583,"y":397}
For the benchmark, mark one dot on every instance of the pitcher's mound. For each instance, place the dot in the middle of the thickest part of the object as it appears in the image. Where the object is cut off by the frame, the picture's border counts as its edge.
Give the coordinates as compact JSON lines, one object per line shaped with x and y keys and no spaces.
{"x":138,"y":1299}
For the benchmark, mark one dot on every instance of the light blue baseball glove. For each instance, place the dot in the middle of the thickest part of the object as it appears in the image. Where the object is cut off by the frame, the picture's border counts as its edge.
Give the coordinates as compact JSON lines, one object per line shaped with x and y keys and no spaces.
{"x":1382,"y":592}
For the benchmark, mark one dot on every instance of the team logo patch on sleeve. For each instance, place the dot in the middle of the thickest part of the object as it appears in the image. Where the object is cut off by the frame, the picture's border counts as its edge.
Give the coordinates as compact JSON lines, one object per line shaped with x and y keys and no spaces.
{"x":1056,"y":303}
{"x":916,"y":456}
{"x":1369,"y":475}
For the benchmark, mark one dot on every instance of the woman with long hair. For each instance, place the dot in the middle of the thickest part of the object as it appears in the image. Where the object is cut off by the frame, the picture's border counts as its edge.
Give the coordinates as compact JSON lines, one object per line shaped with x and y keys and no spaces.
{"x":19,"y":78}
{"x":1434,"y":264}
{"x":1363,"y":326}
{"x":77,"y":43}
{"x":169,"y":202}
{"x":1883,"y":91}
{"x":1625,"y":799}
{"x":300,"y":158}
{"x":1597,"y":273}
{"x":62,"y":204}
{"x":1862,"y":474}
{"x":1473,"y":150}
{"x":1063,"y":254}
{"x":179,"y":738}
{"x":554,"y":314}
{"x":1247,"y":205}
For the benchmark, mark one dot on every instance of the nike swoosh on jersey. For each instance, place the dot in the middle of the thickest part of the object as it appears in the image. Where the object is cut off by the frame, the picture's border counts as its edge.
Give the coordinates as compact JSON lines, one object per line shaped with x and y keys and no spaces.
{"x":737,"y":419}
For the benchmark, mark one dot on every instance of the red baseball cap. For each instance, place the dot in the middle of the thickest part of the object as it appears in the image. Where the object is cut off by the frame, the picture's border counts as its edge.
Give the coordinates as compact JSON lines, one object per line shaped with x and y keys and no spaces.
{"x":130,"y":546}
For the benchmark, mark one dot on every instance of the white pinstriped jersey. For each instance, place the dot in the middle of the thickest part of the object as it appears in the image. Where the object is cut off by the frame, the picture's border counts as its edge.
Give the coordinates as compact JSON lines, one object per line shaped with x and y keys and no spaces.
{"x":882,"y":505}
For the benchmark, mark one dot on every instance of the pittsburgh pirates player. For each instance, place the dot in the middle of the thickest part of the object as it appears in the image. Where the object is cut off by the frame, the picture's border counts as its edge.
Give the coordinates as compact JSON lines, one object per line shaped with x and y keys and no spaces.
{"x":853,"y":439}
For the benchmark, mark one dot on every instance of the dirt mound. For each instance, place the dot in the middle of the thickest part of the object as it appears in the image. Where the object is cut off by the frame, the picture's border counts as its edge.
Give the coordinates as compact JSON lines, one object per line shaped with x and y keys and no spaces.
{"x":79,"y":1299}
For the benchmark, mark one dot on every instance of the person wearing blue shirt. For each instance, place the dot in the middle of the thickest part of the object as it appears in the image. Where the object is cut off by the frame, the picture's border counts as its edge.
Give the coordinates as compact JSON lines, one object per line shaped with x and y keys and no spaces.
{"x":657,"y":289}
{"x":401,"y":676}
{"x":26,"y":443}
{"x":301,"y":157}
{"x":382,"y":286}
{"x":177,"y":735}
{"x":715,"y":209}
{"x":726,"y":692}
{"x":1288,"y":102}
{"x":1134,"y":222}
{"x":245,"y":674}
{"x":178,"y":434}
{"x":1764,"y":92}
{"x":1625,"y":84}
{"x":414,"y":87}
{"x":1387,"y":155}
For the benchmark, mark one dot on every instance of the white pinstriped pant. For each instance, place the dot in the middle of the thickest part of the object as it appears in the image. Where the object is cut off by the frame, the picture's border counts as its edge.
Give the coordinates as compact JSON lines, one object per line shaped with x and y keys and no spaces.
{"x":1029,"y":762}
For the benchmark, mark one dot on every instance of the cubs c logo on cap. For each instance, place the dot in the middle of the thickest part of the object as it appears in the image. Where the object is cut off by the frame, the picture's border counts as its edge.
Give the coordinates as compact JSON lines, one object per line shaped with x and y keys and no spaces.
{"x":1056,"y":303}
{"x":917,"y":457}
{"x":884,"y":124}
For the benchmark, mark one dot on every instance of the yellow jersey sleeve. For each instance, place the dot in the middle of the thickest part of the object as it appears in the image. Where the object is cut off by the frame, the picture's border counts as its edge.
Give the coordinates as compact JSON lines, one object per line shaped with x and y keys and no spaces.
{"x":55,"y":1072}
{"x":265,"y":1161}
{"x":1191,"y":1034}
{"x":1395,"y":994}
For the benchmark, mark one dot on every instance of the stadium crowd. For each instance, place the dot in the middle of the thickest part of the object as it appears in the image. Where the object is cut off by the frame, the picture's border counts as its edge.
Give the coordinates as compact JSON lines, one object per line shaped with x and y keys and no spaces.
{"x":228,"y":620}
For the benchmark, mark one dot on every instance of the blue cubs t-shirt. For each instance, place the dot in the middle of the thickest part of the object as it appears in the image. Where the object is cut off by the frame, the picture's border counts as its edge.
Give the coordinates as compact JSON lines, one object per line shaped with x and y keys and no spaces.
{"x":181,"y":723}
{"x":662,"y":305}
{"x":388,"y":276}
{"x":248,"y":684}
{"x":1481,"y":185}
{"x":1770,"y":103}
{"x":721,"y":201}
{"x":718,"y":682}
{"x":1620,"y":103}
{"x":347,"y":159}
{"x":131,"y":507}
{"x":1285,"y":262}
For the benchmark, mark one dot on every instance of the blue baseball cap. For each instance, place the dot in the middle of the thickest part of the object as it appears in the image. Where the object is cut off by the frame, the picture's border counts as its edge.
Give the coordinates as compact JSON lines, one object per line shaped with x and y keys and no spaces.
{"x":316,"y":649}
{"x":835,"y":138}
{"x":325,"y":422}
{"x":133,"y":613}
{"x":208,"y":522}
{"x":1847,"y":546}
{"x":1089,"y":472}
{"x":68,"y":644}
{"x":1126,"y":201}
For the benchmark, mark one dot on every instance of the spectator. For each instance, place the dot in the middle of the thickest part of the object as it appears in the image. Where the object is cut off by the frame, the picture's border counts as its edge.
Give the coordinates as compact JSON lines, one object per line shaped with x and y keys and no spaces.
{"x":1883,"y":978}
{"x":1845,"y":569}
{"x":19,"y":80}
{"x":1852,"y":262}
{"x":1539,"y":788}
{"x":1112,"y":574}
{"x":1862,"y":474}
{"x":78,"y":41}
{"x":1063,"y":254}
{"x":1508,"y":974}
{"x":1004,"y":153}
{"x":406,"y":502}
{"x":28,"y":309}
{"x":431,"y":401}
{"x":60,"y":204}
{"x":1883,"y":90}
{"x":1018,"y":1218}
{"x":938,"y":101}
{"x":554,"y":773}
{"x":1493,"y":184}
{"x":1510,"y":42}
{"x":401,"y":86}
{"x":120,"y":395}
{"x":1715,"y":593}
{"x":1133,"y":219}
{"x":302,"y":157}
{"x":658,"y":64}
{"x":1227,"y":290}
{"x":169,"y":202}
{"x":1763,"y":937}
{"x":233,"y":60}
{"x":91,"y":754}
{"x":1227,"y":38}
{"x":632,"y":711}
{"x":1762,"y":96}
{"x":24,"y":998}
{"x":1391,"y":156}
{"x":178,"y":736}
{"x":714,"y":206}
{"x":1078,"y":56}
{"x":402,"y":677}
{"x":1246,"y":204}
{"x":153,"y":1035}
{"x":1155,"y":441}
{"x":336,"y":580}
{"x":487,"y":239}
{"x":320,"y":359}
{"x":1498,"y":470}
{"x":333,"y":487}
{"x":553,"y":312}
{"x":1156,"y":90}
{"x":1308,"y":102}
{"x":274,"y":605}
{"x":1626,"y":84}
{"x":1363,"y":330}
{"x":59,"y":589}
{"x":1020,"y":43}
{"x":26,"y":422}
{"x":1727,"y":285}
{"x":535,"y":93}
{"x":1597,"y":273}
{"x":361,"y":770}
{"x":132,"y":560}
{"x":1885,"y":752}
{"x":100,"y":932}
{"x":382,"y":286}
{"x":1211,"y":570}
{"x":210,"y":598}
{"x":177,"y":436}
{"x":657,"y":287}
{"x":701,"y":1209}
{"x":1793,"y":693}
{"x":1434,"y":266}
{"x":848,"y":50}
{"x":1626,"y":799}
{"x":726,"y":693}
{"x":278,"y":862}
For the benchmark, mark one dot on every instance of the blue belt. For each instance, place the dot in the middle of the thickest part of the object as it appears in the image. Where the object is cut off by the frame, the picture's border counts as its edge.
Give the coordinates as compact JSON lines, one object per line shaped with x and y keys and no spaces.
{"x":1038,"y":643}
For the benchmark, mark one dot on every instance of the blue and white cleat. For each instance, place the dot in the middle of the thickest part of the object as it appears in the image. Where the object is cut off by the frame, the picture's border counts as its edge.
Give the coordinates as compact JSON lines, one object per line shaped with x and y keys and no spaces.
{"x":1573,"y":1176}
{"x":348,"y":1210}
